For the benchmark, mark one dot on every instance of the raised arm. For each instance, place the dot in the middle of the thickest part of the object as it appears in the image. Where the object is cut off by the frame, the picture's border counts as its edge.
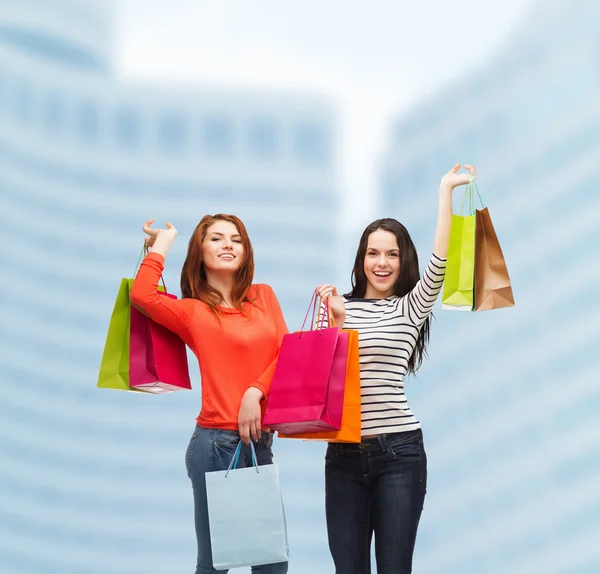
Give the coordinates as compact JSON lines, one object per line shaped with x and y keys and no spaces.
{"x":442,"y":231}
{"x":175,"y":314}
{"x":419,"y":302}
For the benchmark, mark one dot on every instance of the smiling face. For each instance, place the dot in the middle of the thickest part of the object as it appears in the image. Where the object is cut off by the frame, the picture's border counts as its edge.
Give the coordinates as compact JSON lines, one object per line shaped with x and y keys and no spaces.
{"x":381,"y":264}
{"x":222,"y":249}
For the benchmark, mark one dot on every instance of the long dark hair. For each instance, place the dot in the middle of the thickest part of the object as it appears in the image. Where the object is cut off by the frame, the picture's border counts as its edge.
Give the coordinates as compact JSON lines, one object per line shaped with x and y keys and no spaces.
{"x":407,"y":279}
{"x":193,"y":274}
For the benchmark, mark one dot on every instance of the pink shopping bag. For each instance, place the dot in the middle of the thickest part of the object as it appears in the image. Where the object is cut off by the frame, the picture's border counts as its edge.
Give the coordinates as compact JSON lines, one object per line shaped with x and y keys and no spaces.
{"x":157,"y":356}
{"x":307,"y":392}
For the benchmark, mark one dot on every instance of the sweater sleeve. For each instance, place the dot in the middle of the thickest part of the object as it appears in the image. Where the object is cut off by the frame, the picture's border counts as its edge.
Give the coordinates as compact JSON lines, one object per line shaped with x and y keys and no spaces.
{"x":418,"y":304}
{"x":264,"y":381}
{"x":175,"y":314}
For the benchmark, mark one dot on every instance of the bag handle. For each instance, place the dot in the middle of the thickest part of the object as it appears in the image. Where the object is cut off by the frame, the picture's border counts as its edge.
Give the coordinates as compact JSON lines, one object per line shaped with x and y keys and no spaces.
{"x":144,"y":252}
{"x":236,"y":457}
{"x":326,"y":313}
{"x":469,"y":191}
{"x":311,"y":306}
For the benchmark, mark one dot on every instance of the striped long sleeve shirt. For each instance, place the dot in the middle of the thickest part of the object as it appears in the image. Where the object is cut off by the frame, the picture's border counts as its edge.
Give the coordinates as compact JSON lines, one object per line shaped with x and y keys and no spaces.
{"x":387,"y":331}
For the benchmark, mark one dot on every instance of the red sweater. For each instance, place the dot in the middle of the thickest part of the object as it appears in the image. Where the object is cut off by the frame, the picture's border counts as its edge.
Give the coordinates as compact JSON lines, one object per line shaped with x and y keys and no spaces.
{"x":234,"y":354}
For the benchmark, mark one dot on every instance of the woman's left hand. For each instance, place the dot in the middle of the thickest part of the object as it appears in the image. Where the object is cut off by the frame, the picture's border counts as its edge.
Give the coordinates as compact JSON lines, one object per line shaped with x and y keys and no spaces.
{"x":453,"y":179}
{"x":249,"y":416}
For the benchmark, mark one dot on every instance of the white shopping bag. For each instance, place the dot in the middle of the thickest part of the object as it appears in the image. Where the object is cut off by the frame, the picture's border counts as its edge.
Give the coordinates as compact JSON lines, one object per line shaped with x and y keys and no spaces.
{"x":246,"y":515}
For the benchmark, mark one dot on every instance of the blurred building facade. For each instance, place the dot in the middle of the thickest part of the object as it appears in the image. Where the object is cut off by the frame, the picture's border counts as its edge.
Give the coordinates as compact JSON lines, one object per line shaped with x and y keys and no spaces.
{"x":92,"y":480}
{"x":509,"y":399}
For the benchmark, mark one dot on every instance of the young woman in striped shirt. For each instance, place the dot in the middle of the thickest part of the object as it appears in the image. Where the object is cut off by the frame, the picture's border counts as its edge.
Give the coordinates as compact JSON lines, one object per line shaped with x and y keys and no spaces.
{"x":378,"y":486}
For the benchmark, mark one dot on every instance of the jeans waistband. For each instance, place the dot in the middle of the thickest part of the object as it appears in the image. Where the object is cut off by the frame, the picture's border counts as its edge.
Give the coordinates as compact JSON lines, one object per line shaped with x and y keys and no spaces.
{"x":218,"y":433}
{"x":379,"y":442}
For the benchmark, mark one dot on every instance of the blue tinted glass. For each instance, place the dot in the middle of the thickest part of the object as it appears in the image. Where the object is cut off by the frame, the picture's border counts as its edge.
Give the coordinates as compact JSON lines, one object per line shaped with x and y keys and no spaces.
{"x":23,"y":101}
{"x":50,"y":48}
{"x":172,"y":132}
{"x":87,"y":125}
{"x":217,"y":136}
{"x":262,"y":138}
{"x":53,"y":112}
{"x":128,"y":128}
{"x":4,"y":86}
{"x":311,"y":143}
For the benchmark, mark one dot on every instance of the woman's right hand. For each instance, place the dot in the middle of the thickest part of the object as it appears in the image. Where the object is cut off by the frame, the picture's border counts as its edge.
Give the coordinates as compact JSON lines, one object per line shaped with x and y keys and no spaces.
{"x":154,"y":233}
{"x":336,"y":304}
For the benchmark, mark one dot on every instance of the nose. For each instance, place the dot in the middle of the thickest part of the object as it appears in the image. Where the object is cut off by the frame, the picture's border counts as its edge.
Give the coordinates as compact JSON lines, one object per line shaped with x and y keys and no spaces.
{"x":382,"y":261}
{"x":228,"y":244}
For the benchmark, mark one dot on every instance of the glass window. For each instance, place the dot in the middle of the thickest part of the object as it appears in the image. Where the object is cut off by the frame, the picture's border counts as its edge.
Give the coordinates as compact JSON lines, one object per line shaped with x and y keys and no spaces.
{"x":312,"y":143}
{"x":172,"y":133}
{"x":46,"y":46}
{"x":4,"y":86}
{"x":87,"y":122}
{"x":128,"y":129}
{"x":23,"y":101}
{"x":217,"y":136}
{"x":53,"y":112}
{"x":262,"y":138}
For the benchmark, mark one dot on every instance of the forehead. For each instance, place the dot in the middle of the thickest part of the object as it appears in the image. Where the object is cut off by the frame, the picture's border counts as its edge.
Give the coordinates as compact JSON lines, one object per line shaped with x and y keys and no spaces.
{"x":382,"y":240}
{"x":223,"y":227}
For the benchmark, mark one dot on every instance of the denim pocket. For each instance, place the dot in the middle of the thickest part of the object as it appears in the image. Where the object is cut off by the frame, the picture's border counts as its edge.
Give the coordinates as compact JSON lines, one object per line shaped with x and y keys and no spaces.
{"x":224,"y":444}
{"x":407,"y":450}
{"x":226,"y":439}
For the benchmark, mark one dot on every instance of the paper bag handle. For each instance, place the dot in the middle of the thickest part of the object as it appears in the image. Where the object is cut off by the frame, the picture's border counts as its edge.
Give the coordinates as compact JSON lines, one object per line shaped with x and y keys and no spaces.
{"x":143,"y":253}
{"x":327,"y":313}
{"x":236,"y":457}
{"x":469,"y":192}
{"x":312,"y":305}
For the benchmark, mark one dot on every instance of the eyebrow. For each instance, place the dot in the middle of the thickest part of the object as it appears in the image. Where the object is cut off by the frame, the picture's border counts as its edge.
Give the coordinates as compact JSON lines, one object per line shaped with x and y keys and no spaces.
{"x":220,"y":234}
{"x":389,"y":250}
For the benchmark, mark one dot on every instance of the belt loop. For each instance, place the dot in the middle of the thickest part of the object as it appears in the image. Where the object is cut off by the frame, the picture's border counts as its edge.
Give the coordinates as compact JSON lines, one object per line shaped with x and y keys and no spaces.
{"x":382,"y":440}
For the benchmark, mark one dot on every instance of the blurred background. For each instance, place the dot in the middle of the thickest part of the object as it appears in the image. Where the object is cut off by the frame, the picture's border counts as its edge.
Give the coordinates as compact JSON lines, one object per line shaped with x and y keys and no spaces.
{"x":307,"y":120}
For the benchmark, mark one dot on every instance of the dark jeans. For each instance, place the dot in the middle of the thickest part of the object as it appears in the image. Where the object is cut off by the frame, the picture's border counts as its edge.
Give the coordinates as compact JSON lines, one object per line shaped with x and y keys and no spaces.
{"x":210,"y":450}
{"x":377,"y":486}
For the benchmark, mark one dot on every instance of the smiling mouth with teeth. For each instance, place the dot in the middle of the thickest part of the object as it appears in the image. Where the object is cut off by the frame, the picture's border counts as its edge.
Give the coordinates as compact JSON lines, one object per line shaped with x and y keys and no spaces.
{"x":382,"y":273}
{"x":226,"y":256}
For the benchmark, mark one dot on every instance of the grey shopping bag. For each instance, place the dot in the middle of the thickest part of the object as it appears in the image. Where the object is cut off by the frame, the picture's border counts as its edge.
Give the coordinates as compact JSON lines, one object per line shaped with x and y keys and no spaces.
{"x":246,"y":515}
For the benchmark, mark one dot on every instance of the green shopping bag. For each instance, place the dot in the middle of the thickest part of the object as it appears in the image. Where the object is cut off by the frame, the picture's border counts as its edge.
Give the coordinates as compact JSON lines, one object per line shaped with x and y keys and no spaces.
{"x":460,"y":267}
{"x":114,"y":368}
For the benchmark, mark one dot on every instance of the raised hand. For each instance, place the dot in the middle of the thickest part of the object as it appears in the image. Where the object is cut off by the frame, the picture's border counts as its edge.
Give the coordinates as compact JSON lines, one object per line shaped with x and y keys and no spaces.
{"x":453,"y":179}
{"x":154,"y":233}
{"x":448,"y":183}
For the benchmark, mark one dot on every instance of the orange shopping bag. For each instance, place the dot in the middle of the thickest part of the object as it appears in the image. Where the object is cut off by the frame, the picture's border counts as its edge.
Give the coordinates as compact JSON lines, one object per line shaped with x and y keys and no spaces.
{"x":350,"y":430}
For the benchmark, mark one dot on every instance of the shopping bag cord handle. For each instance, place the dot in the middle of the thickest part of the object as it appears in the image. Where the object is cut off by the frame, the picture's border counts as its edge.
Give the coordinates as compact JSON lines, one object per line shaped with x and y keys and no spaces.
{"x":236,"y":457}
{"x":327,"y":314}
{"x":312,"y":305}
{"x":469,"y":193}
{"x":143,"y":253}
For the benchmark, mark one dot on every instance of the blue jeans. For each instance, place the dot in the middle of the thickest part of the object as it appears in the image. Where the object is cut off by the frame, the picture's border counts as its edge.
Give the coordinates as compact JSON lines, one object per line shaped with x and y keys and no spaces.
{"x":210,"y":450}
{"x":377,"y":486}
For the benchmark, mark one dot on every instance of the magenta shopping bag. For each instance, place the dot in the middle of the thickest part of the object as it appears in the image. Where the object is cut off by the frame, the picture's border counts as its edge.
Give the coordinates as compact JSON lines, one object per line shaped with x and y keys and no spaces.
{"x":157,"y":356}
{"x":307,"y":392}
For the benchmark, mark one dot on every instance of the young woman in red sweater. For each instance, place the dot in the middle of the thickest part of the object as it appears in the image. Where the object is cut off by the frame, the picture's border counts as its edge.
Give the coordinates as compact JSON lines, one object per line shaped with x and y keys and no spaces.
{"x":235,"y":329}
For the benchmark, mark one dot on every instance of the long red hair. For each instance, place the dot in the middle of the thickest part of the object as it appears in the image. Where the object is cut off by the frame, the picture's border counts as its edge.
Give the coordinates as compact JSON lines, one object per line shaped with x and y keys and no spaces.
{"x":193,"y":274}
